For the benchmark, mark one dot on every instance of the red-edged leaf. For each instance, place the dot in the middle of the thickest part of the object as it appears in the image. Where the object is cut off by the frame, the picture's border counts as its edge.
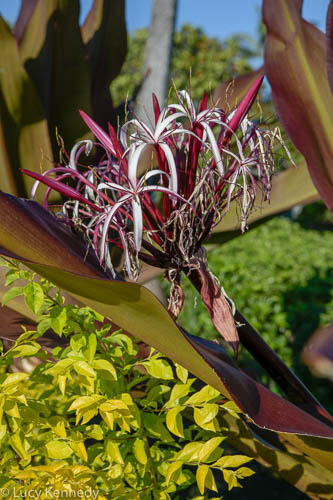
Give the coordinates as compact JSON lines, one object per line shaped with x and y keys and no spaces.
{"x":28,"y":229}
{"x":329,"y":43}
{"x":295,"y":65}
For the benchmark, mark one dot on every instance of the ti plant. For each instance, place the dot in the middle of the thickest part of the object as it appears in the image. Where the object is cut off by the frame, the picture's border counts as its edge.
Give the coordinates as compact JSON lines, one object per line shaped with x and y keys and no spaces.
{"x":50,"y":66}
{"x":302,"y":94}
{"x":148,"y":216}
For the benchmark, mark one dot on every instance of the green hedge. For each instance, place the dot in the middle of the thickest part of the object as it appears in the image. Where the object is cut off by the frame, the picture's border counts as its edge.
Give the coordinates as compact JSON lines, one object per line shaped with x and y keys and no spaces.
{"x":280,"y":277}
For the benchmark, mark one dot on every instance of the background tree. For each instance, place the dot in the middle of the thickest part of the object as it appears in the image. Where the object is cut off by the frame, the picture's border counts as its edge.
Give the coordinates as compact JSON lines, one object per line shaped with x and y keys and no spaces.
{"x":209,"y":60}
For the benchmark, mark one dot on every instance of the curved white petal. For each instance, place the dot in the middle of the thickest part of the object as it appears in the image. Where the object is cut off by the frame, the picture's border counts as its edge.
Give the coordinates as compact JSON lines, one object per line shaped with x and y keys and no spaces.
{"x":133,"y":161}
{"x":114,"y":186}
{"x":164,"y":124}
{"x":215,"y":148}
{"x":108,"y":221}
{"x":88,"y":148}
{"x":173,"y":184}
{"x":137,"y":222}
{"x":166,"y":190}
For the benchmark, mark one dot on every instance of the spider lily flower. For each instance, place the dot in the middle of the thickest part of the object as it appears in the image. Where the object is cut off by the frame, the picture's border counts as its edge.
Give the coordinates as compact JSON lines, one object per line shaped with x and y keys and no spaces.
{"x":204,"y":161}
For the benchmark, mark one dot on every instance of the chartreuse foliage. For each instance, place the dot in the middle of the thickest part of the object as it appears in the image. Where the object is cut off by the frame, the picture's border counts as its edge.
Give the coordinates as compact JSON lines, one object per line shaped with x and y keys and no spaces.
{"x":92,"y":416}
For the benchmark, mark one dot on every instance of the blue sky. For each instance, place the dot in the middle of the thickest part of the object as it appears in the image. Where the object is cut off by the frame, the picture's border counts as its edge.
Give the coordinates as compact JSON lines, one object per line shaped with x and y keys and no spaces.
{"x":220,"y":18}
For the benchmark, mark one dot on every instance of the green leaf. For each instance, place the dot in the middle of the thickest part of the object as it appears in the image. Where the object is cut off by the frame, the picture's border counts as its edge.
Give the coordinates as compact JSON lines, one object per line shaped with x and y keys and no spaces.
{"x":201,"y":475}
{"x":206,"y":414}
{"x":155,"y":427}
{"x":17,"y":444}
{"x":179,"y":391}
{"x":58,"y":318}
{"x":11,"y":276}
{"x":230,"y":478}
{"x":244,"y":472}
{"x":80,"y":450}
{"x":190,"y":452}
{"x":209,"y":447}
{"x":139,"y":451}
{"x":173,"y":468}
{"x":112,"y":449}
{"x":82,"y":368}
{"x":58,"y":450}
{"x":105,"y":368}
{"x":25,"y":350}
{"x":182,"y":373}
{"x":34,"y":296}
{"x":13,"y":292}
{"x":206,"y":394}
{"x":92,"y":345}
{"x":43,"y":325}
{"x":231,"y":408}
{"x":60,"y":367}
{"x":84,"y":402}
{"x":232,"y":461}
{"x":123,"y":340}
{"x":13,"y":379}
{"x":159,"y":368}
{"x":174,"y":421}
{"x":95,"y":432}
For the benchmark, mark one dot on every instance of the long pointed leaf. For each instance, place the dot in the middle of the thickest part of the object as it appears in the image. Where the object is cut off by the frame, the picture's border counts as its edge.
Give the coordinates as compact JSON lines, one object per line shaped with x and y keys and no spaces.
{"x":53,"y":54}
{"x":295,"y":65}
{"x":28,"y":228}
{"x":24,"y":138}
{"x":104,"y":34}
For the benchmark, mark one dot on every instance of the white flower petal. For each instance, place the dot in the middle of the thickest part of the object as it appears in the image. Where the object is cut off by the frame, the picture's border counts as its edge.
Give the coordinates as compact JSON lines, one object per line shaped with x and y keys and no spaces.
{"x":108,"y":221}
{"x":133,"y":161}
{"x":138,"y":223}
{"x":173,"y":185}
{"x":88,"y":148}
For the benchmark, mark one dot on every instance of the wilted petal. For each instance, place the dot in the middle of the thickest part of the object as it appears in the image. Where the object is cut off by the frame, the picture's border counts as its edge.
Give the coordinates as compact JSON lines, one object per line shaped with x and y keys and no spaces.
{"x":214,"y":299}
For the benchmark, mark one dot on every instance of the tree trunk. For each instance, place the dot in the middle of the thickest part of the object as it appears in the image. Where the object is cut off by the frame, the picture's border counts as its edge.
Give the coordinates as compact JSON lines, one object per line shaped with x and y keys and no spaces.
{"x":158,"y":57}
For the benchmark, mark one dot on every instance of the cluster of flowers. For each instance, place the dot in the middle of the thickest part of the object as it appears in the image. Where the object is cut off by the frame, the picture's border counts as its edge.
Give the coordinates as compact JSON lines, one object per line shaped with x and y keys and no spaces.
{"x":195,"y":164}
